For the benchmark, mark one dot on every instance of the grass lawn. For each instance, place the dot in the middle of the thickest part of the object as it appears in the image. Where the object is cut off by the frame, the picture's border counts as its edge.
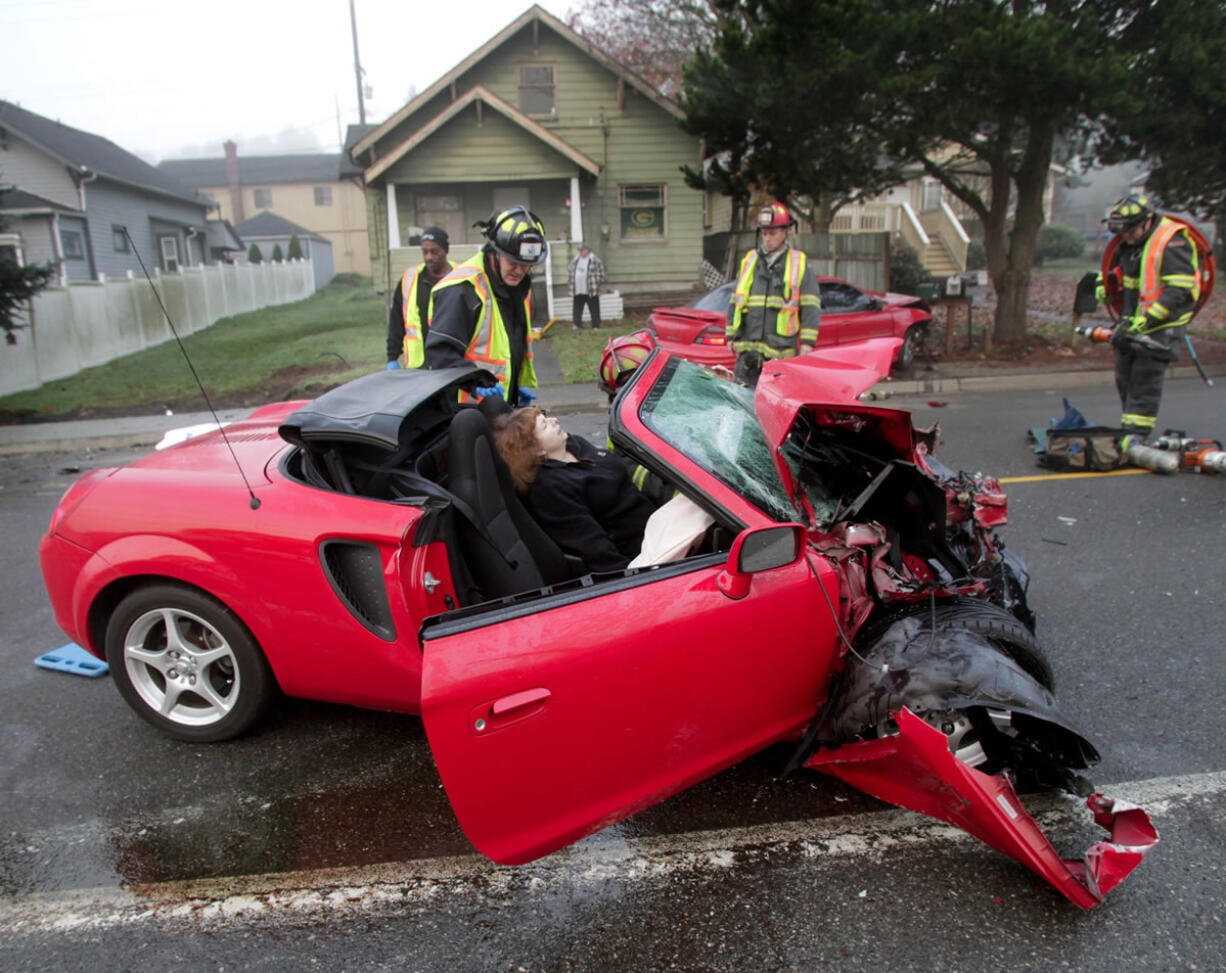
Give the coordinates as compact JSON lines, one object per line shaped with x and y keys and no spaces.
{"x":579,"y":351}
{"x":291,"y":351}
{"x":337,"y":334}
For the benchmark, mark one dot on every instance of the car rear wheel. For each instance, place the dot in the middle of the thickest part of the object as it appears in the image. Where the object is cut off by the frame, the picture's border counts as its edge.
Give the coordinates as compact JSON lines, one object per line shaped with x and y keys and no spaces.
{"x":912,"y":341}
{"x":186,"y":664}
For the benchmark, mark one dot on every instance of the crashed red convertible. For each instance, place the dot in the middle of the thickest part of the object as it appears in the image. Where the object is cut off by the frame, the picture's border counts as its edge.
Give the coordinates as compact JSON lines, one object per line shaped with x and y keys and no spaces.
{"x":851,"y":596}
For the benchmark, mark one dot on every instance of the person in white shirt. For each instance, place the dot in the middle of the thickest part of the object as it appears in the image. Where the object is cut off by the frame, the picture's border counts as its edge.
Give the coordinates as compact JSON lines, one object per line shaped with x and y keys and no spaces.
{"x":586,"y":275}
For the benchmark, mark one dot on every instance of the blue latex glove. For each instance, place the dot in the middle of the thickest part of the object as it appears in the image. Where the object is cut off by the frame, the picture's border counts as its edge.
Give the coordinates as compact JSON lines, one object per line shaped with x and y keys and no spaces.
{"x":526,"y":397}
{"x":487,"y":391}
{"x":393,"y":365}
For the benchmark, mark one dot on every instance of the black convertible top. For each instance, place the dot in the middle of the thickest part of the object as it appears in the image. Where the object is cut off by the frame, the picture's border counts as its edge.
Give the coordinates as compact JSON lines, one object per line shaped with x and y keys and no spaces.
{"x":391,"y":410}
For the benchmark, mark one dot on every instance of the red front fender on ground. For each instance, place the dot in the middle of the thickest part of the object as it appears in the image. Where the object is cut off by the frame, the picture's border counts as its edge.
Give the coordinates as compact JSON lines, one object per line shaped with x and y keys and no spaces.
{"x":916,"y":771}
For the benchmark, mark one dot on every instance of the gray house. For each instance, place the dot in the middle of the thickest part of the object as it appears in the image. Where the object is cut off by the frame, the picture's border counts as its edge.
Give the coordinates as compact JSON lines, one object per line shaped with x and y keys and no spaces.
{"x":268,"y":230}
{"x":82,"y":201}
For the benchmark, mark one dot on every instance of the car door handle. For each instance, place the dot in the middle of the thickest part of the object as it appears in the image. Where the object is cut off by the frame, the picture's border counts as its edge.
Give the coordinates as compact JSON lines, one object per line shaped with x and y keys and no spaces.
{"x":508,"y":710}
{"x":518,"y":701}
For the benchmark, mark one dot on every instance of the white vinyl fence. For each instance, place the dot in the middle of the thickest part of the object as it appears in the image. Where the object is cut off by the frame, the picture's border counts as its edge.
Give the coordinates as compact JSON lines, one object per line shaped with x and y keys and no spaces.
{"x":84,"y":324}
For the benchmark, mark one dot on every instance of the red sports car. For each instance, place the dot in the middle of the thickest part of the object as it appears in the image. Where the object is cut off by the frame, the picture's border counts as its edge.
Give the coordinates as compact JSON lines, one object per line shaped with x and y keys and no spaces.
{"x":849,"y":313}
{"x":850,"y":595}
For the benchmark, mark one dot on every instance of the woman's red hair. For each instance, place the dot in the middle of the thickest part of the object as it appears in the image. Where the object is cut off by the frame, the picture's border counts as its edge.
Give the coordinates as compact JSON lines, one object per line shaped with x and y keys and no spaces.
{"x":515,"y":437}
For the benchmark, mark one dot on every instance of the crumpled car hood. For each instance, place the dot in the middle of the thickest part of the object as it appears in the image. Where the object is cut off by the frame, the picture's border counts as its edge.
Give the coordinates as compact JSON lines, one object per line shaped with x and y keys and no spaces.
{"x":832,"y":376}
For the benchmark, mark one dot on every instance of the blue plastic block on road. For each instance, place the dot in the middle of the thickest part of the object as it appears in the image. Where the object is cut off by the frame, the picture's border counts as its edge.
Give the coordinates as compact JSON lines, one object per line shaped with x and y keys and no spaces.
{"x":74,"y":659}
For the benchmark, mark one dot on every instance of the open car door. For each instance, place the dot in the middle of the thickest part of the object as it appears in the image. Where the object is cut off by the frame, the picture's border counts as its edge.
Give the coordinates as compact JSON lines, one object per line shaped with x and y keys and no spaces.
{"x":554,"y":715}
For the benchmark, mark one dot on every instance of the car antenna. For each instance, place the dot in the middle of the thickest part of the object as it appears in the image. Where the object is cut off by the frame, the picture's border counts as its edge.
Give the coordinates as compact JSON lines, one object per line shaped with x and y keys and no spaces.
{"x":255,"y":501}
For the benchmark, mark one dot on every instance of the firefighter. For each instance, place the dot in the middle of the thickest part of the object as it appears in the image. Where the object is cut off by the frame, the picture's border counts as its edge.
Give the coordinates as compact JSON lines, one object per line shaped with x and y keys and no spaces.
{"x":776,"y":306}
{"x":482,"y":312}
{"x":1159,"y":269}
{"x":407,"y":319}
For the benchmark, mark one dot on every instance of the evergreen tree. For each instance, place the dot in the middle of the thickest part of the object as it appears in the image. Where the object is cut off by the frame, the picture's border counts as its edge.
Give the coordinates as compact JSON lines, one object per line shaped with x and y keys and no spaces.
{"x":277,"y":255}
{"x":18,"y":284}
{"x":295,"y":248}
{"x":833,"y":99}
{"x":253,"y":255}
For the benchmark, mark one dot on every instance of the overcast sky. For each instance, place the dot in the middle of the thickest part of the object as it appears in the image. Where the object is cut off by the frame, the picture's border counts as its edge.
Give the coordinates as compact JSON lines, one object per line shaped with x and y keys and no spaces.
{"x":170,"y":79}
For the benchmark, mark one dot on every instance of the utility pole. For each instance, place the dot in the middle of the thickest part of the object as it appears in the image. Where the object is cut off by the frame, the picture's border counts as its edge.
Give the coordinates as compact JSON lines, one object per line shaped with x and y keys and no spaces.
{"x":357,"y":63}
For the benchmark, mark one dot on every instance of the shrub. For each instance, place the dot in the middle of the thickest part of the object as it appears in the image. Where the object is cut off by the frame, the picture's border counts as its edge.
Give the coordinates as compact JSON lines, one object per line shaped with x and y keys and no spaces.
{"x":906,"y":270}
{"x":277,"y":255}
{"x":295,"y":248}
{"x":253,"y":255}
{"x":976,"y":256}
{"x":1057,"y":240}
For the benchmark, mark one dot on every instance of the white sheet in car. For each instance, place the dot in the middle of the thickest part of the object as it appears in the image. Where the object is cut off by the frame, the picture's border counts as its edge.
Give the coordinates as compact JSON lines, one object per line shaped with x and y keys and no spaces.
{"x":671,"y":531}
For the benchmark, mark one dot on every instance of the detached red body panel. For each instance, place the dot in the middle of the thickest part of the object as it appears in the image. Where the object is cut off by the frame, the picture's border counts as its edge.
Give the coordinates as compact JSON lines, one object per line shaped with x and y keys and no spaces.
{"x":915,"y":770}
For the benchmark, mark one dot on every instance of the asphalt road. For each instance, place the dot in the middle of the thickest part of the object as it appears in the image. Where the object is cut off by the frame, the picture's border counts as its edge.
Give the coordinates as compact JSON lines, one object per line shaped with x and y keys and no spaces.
{"x":324,"y":838}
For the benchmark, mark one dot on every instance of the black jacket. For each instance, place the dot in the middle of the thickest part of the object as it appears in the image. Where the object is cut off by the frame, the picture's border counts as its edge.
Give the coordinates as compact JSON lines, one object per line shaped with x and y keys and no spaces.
{"x":457,"y":310}
{"x":590,"y":508}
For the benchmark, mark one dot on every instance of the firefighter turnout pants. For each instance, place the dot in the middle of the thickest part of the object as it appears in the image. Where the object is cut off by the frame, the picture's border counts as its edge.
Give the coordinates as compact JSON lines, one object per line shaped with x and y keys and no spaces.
{"x":1139,"y":377}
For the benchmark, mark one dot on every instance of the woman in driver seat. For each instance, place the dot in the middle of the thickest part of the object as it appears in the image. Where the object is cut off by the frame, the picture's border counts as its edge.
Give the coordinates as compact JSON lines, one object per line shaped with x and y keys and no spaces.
{"x":581,"y":495}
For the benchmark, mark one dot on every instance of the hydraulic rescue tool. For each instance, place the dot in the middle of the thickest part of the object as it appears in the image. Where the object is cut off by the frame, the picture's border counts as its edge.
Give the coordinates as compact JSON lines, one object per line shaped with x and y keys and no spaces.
{"x":1200,"y":455}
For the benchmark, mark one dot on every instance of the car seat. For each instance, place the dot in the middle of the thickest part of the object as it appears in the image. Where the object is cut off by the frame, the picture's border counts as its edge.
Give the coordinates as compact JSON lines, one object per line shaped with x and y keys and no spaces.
{"x":505,"y":549}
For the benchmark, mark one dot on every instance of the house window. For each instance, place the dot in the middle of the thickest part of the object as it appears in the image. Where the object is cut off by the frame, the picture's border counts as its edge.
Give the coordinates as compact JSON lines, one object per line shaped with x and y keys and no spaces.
{"x":119,"y":239}
{"x":263,"y":198}
{"x":73,"y":244}
{"x":536,"y":90}
{"x":934,"y":193}
{"x":170,"y":253}
{"x":323,"y":195}
{"x":643,"y":211}
{"x":10,"y":249}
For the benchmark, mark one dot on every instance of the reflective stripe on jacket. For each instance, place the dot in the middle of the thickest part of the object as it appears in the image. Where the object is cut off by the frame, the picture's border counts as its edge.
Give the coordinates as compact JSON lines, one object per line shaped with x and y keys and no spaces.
{"x":780,"y":340}
{"x":490,"y":346}
{"x":1153,"y":283}
{"x":414,"y":340}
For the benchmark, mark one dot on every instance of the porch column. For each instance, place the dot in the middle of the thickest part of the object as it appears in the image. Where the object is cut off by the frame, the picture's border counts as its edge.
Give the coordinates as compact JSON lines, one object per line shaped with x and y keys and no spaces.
{"x":393,"y":219}
{"x":576,"y":211}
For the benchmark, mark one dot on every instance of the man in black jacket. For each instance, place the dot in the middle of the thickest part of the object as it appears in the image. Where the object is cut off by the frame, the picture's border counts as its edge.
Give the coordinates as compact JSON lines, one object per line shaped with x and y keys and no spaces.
{"x":482,"y":312}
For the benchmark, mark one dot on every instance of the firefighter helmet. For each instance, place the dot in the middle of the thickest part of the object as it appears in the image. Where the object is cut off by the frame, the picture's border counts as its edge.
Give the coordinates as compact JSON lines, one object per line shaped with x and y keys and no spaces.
{"x":517,"y":234}
{"x":1132,"y":210}
{"x":622,"y":355}
{"x":774,"y":215}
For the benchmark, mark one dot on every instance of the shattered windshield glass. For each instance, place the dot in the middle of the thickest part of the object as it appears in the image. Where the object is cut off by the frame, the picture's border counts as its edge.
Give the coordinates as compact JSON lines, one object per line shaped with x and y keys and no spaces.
{"x":712,"y":421}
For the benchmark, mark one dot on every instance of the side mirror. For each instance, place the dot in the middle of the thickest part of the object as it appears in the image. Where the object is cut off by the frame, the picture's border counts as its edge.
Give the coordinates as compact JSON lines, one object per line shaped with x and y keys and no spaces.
{"x":759,"y":549}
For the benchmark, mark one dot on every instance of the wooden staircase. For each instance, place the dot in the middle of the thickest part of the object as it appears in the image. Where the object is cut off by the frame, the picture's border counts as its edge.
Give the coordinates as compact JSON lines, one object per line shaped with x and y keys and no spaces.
{"x":938,"y":261}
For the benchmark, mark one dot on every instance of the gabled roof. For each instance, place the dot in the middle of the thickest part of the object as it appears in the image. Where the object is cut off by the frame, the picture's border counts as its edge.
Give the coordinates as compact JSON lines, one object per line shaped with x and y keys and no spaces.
{"x":82,"y":151}
{"x":479,"y":93}
{"x":257,"y":169}
{"x":533,"y":13}
{"x":221,"y":236}
{"x":269,"y":224}
{"x":353,"y":135}
{"x":18,"y":201}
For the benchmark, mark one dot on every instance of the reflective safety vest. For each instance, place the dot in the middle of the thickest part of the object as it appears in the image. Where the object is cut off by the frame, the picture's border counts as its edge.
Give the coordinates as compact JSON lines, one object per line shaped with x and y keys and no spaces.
{"x":787,"y":320}
{"x":1153,"y":283}
{"x":414,"y":340}
{"x":490,"y":346}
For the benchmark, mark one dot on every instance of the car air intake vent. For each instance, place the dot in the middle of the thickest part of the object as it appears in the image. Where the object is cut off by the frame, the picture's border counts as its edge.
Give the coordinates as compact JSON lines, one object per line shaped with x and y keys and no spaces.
{"x":355,"y":571}
{"x":234,"y":437}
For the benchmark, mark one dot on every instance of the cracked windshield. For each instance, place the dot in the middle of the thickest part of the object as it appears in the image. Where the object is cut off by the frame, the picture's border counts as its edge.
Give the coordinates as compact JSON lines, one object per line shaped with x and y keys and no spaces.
{"x":713,"y":422}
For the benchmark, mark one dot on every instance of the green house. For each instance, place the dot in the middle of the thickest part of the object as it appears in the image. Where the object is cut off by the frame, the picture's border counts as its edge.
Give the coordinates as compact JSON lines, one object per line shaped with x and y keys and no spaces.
{"x":539,"y":116}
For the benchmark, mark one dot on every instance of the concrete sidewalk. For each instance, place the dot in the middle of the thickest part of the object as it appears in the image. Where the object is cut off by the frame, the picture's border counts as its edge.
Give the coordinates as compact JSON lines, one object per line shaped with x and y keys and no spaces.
{"x":557,"y":397}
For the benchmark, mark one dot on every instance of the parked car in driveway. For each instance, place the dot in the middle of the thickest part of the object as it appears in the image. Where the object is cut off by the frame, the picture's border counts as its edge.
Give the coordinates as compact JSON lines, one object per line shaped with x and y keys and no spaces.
{"x":849,"y":313}
{"x":850,"y":595}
